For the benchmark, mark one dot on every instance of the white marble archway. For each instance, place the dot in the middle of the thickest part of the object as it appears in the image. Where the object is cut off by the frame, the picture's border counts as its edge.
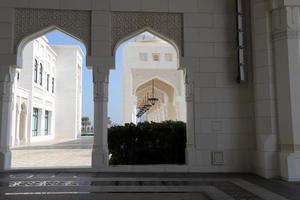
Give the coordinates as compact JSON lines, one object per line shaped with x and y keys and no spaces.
{"x":30,"y":23}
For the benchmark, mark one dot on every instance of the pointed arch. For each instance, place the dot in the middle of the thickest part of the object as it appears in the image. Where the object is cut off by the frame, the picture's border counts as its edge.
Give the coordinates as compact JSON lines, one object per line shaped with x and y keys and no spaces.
{"x":143,"y":30}
{"x":31,"y":23}
{"x":21,"y":45}
{"x":162,"y":86}
{"x":159,"y":79}
{"x":168,"y":25}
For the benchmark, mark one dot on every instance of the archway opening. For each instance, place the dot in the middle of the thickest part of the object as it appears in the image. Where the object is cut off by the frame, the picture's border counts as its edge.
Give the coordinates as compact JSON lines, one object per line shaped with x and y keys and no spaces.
{"x":163,"y":97}
{"x":147,"y":85}
{"x":53,"y":95}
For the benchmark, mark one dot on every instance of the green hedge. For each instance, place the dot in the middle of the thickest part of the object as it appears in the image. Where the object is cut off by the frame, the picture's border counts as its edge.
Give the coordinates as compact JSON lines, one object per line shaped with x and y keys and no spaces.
{"x":147,"y":143}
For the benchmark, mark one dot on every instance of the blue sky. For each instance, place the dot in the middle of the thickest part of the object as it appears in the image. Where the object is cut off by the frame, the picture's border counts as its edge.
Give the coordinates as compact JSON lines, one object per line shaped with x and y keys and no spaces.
{"x":115,"y":92}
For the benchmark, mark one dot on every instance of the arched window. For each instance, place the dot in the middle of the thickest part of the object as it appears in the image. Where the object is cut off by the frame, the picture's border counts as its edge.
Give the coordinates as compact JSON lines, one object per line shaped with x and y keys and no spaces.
{"x":35,"y":75}
{"x":41,"y":74}
{"x":53,"y":85}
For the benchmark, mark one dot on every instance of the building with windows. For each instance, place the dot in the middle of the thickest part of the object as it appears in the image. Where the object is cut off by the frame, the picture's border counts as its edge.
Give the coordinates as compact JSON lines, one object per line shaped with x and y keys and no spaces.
{"x":150,"y":70}
{"x":41,"y":107}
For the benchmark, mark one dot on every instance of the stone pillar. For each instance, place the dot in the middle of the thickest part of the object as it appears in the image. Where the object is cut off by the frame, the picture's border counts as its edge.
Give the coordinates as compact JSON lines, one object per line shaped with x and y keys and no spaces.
{"x":190,"y":109}
{"x":286,"y":44}
{"x":7,"y":75}
{"x":100,"y":147}
{"x":23,"y":126}
{"x":16,"y":123}
{"x":265,"y":160}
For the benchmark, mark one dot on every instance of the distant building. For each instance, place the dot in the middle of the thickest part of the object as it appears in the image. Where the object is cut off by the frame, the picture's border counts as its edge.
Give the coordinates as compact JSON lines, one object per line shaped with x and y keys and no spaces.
{"x":47,"y":102}
{"x":150,"y":69}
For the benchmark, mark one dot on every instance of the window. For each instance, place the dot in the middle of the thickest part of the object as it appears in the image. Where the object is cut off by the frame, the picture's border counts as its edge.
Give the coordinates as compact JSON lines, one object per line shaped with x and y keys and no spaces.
{"x":47,"y":122}
{"x":35,"y":119}
{"x":156,"y":56}
{"x":48,"y":80}
{"x":168,"y":57}
{"x":41,"y":74}
{"x":35,"y":75}
{"x":143,"y":56}
{"x":53,"y":85}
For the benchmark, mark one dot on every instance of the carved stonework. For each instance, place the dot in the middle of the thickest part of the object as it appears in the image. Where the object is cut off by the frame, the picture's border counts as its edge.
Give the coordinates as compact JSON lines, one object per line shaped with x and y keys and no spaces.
{"x":31,"y":21}
{"x":101,"y":76}
{"x":189,"y":85}
{"x":286,"y":22}
{"x":169,"y":25}
{"x":6,"y":84}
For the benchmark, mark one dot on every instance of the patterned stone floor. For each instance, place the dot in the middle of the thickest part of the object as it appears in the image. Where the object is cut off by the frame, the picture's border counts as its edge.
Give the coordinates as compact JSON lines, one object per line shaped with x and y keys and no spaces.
{"x":146,"y":186}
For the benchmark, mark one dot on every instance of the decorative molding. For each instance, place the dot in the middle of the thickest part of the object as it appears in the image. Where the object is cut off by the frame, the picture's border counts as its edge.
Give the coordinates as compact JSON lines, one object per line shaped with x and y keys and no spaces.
{"x":73,"y":22}
{"x":189,"y":79}
{"x":101,"y":80}
{"x":286,"y":22}
{"x":7,"y":78}
{"x":168,"y":25}
{"x":289,"y":147}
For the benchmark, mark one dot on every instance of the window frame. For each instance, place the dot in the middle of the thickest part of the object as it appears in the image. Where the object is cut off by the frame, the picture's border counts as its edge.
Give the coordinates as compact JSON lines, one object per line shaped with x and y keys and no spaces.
{"x":35,"y":71}
{"x":35,"y":122}
{"x":48,"y":82}
{"x":41,"y":74}
{"x":53,"y":85}
{"x":47,"y":117}
{"x":154,"y":55}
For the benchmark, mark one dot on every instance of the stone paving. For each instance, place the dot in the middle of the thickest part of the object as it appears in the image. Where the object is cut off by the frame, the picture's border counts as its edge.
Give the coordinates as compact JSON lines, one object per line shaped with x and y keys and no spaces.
{"x":54,"y":155}
{"x":146,"y":186}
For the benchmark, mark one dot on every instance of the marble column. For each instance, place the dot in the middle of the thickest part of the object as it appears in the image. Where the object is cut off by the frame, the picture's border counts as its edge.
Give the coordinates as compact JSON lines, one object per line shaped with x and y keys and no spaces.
{"x":286,"y":46}
{"x":100,"y":147}
{"x":189,"y":94}
{"x":17,"y":124}
{"x":7,"y":76}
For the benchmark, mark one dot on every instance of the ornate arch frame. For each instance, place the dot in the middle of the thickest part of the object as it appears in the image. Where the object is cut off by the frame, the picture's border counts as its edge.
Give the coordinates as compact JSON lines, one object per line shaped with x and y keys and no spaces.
{"x":168,"y":26}
{"x":31,"y":23}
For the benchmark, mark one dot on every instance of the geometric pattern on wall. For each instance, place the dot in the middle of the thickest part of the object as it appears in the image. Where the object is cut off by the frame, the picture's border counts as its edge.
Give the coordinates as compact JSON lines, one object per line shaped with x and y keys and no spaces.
{"x":169,"y":25}
{"x":72,"y":22}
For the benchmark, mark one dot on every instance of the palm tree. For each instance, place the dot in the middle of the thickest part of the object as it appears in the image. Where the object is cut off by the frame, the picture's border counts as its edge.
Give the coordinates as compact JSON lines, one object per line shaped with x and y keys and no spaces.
{"x":85,"y":123}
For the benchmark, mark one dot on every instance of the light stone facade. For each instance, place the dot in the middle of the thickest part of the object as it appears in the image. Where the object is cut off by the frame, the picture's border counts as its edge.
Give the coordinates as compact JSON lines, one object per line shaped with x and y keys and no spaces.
{"x":150,"y":69}
{"x":250,"y":127}
{"x":47,"y":109}
{"x":33,"y":93}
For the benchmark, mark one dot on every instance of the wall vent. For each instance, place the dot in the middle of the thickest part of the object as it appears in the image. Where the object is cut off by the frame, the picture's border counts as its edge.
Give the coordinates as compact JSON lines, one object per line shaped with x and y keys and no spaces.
{"x":217,"y":158}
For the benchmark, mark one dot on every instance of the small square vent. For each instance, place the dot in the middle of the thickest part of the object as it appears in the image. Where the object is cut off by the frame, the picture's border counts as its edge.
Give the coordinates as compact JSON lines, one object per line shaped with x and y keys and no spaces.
{"x":217,"y":157}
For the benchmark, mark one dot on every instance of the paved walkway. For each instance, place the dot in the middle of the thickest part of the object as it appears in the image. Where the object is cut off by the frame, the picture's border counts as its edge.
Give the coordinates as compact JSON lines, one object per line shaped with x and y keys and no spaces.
{"x":54,"y":155}
{"x":146,"y":186}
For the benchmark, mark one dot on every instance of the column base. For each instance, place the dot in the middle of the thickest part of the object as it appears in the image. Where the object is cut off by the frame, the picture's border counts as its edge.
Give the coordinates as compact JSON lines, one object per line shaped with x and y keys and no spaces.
{"x":5,"y":160}
{"x":290,"y":166}
{"x":266,"y":164}
{"x":190,"y":156}
{"x":100,"y":159}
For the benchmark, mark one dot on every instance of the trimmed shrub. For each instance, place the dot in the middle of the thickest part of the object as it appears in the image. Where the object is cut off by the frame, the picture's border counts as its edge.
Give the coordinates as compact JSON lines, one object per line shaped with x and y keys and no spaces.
{"x":147,"y":143}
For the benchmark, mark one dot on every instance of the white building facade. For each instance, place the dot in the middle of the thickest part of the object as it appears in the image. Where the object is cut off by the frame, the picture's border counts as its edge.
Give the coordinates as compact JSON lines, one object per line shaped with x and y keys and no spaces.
{"x":150,"y":70}
{"x":39,"y":108}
